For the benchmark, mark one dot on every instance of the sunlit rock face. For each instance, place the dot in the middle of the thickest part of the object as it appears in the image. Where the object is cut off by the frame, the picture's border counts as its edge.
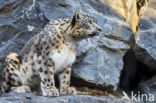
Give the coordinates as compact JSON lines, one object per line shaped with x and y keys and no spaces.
{"x":131,"y":10}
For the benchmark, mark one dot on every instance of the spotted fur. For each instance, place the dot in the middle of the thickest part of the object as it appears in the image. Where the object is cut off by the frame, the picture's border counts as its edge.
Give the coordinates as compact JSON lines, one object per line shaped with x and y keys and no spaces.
{"x":51,"y":52}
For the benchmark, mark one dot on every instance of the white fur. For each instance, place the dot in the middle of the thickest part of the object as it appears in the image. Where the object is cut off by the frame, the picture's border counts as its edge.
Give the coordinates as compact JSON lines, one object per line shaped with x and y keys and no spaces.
{"x":63,"y":59}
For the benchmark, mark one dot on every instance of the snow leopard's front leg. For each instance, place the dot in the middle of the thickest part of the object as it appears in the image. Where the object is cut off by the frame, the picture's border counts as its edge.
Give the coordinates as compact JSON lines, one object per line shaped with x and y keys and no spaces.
{"x":46,"y":73}
{"x":64,"y":78}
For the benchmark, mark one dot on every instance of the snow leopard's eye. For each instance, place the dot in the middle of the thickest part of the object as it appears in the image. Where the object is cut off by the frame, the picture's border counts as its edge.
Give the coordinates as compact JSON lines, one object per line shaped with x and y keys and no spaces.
{"x":87,"y":26}
{"x":15,"y":62}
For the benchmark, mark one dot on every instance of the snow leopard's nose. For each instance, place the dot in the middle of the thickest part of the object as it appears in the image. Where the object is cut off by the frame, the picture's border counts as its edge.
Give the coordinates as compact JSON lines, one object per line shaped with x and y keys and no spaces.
{"x":99,"y":29}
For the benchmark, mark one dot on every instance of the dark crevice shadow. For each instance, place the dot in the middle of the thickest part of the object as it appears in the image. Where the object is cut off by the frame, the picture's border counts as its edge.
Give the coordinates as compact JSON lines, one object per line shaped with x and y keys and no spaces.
{"x":134,"y":72}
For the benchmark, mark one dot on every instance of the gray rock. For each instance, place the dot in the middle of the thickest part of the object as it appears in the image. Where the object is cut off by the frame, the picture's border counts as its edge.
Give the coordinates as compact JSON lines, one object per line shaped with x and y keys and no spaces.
{"x":99,"y":59}
{"x":149,"y":88}
{"x":146,"y":36}
{"x":31,"y":98}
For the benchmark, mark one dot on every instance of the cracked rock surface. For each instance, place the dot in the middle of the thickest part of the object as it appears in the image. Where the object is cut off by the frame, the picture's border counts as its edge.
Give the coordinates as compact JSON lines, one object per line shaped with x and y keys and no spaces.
{"x":31,"y":98}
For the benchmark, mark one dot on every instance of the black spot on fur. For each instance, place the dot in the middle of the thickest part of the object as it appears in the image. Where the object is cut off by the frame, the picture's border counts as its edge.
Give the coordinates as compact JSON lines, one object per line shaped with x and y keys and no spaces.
{"x":10,"y":62}
{"x":45,"y":79}
{"x":59,"y":36}
{"x":33,"y":70}
{"x":45,"y":63}
{"x":3,"y":74}
{"x":68,"y":83}
{"x":57,"y":41}
{"x":73,"y":37}
{"x":41,"y":70}
{"x":43,"y":82}
{"x":67,"y":21}
{"x":24,"y":70}
{"x":19,"y":83}
{"x":10,"y":74}
{"x":9,"y":78}
{"x":46,"y":72}
{"x":63,"y":41}
{"x":7,"y":70}
{"x":56,"y":46}
{"x":47,"y":47}
{"x":16,"y":75}
{"x":14,"y":66}
{"x":47,"y":53}
{"x":44,"y":42}
{"x":54,"y":38}
{"x":13,"y":80}
{"x":43,"y":57}
{"x":8,"y":83}
{"x":51,"y":84}
{"x":12,"y":69}
{"x":64,"y":77}
{"x":38,"y":49}
{"x":34,"y":76}
{"x":66,"y":29}
{"x":43,"y":52}
{"x":39,"y":61}
{"x":50,"y":59}
{"x":62,"y":24}
{"x":32,"y":63}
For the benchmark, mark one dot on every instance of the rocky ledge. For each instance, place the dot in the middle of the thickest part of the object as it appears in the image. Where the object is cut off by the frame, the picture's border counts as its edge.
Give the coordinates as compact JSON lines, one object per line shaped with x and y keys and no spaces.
{"x":31,"y":98}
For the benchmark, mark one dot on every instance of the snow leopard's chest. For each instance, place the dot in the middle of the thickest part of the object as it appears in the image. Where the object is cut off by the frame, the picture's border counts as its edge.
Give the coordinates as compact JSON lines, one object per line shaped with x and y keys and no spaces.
{"x":63,"y":59}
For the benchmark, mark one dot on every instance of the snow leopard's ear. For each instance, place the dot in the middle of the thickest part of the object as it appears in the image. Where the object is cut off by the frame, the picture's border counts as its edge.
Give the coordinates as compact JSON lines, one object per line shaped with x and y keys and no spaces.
{"x":77,"y":16}
{"x":20,"y":58}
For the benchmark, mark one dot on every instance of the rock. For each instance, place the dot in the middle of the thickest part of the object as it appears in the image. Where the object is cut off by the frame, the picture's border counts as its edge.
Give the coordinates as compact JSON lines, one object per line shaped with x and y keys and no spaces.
{"x":146,"y":36}
{"x":149,"y":88}
{"x":31,"y":98}
{"x":18,"y":24}
{"x":99,"y":59}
